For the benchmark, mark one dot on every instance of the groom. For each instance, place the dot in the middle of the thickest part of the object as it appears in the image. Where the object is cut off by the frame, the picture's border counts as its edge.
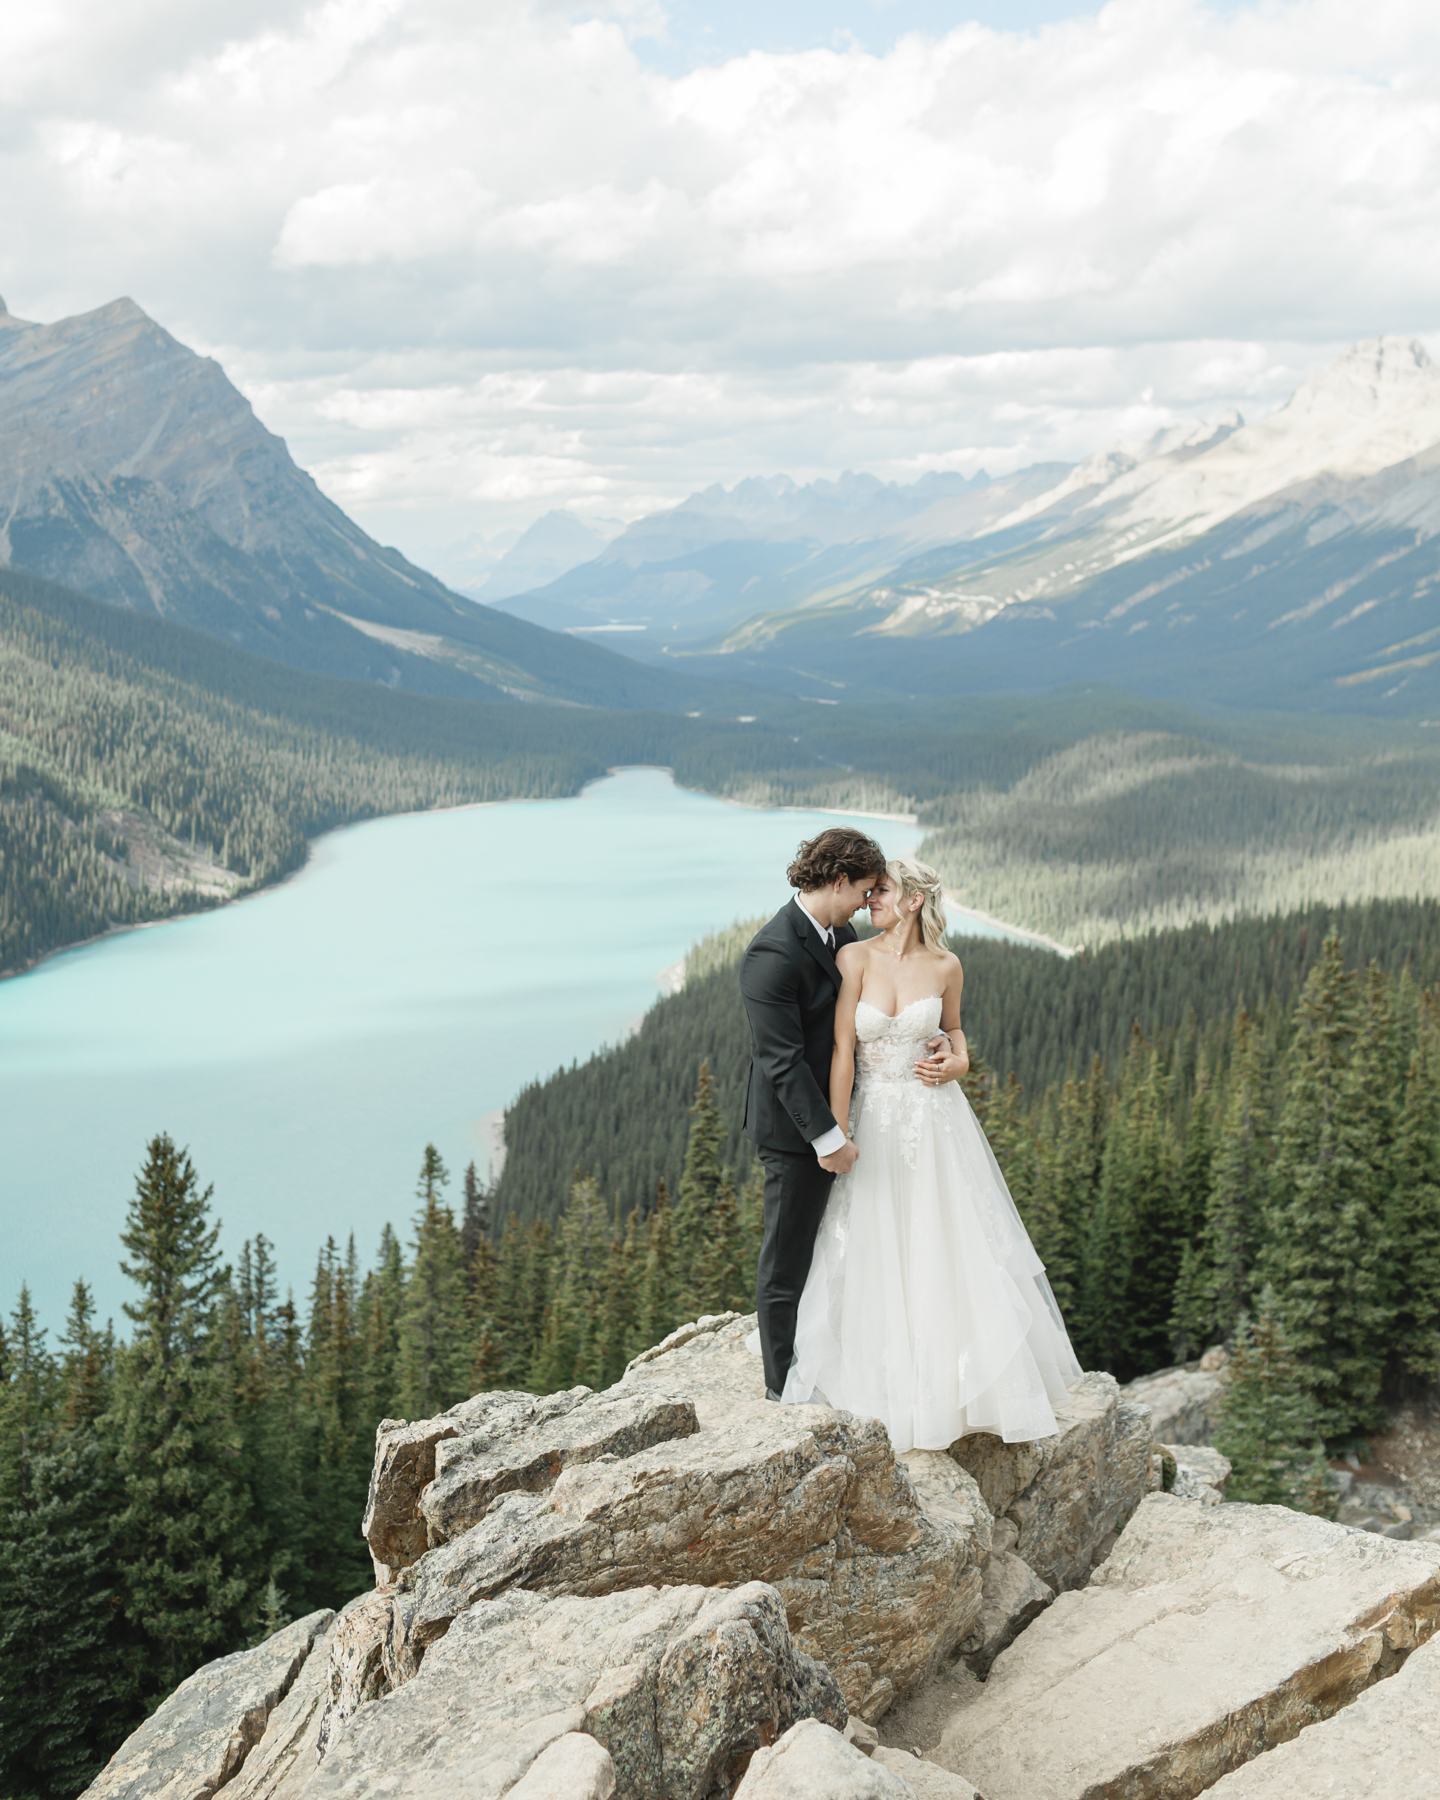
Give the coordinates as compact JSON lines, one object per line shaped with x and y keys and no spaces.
{"x":789,"y":981}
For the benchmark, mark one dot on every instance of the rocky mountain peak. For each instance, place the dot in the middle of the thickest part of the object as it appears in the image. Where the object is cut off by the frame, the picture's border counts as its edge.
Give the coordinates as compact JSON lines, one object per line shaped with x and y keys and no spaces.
{"x":1376,"y":374}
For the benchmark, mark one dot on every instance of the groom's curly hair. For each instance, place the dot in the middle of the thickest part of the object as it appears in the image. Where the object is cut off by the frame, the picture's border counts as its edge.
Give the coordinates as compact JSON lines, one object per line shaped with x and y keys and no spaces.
{"x":840,"y":854}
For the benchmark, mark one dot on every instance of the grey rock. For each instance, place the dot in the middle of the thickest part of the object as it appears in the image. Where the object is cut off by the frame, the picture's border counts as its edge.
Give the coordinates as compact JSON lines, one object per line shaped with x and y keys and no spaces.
{"x":705,"y":1325}
{"x":199,"y":1739}
{"x":1012,"y":1596}
{"x":678,"y":1684}
{"x":1210,"y":1634}
{"x":1183,"y":1403}
{"x":1200,"y":1473}
{"x":355,"y":1661}
{"x":405,"y":1453}
{"x":864,"y":1737}
{"x":1066,"y":1494}
{"x":925,"y":1779}
{"x":1384,"y":1746}
{"x":507,"y":1455}
{"x":812,"y":1762}
{"x":574,"y":1767}
{"x":809,"y":1499}
{"x":284,"y":1759}
{"x":947,"y":1491}
{"x":706,"y":1362}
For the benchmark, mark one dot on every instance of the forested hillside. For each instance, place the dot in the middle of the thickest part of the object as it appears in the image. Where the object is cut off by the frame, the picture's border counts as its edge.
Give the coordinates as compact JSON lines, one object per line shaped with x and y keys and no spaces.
{"x":146,"y":768}
{"x":1128,"y":832}
{"x":1027,"y":1012}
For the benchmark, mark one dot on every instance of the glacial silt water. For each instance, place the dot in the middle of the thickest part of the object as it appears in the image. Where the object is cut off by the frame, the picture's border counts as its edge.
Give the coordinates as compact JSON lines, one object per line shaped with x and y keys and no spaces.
{"x":307,"y":1042}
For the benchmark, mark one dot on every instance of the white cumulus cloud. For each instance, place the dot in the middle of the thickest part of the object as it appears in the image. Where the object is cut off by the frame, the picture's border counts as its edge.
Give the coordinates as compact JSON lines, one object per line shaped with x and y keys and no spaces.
{"x":479,"y":261}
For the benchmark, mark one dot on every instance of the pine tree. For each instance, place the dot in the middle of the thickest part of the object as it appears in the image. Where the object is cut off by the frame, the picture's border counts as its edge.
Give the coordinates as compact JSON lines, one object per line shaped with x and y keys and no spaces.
{"x":187,"y":1542}
{"x":435,"y":1351}
{"x":1269,"y":1426}
{"x":615,"y":1325}
{"x":381,"y":1299}
{"x":700,"y":1183}
{"x":475,"y":1220}
{"x":752,"y":1236}
{"x":717,"y":1285}
{"x":1324,"y":1250}
{"x":1412,"y":1222}
{"x":657,"y":1282}
{"x":65,"y":1703}
{"x":1239,"y":1178}
{"x":568,"y":1351}
{"x":510,"y":1323}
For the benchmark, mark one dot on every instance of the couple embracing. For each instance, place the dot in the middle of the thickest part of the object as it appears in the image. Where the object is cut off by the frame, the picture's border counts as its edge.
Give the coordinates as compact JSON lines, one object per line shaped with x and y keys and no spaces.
{"x":896,"y":1279}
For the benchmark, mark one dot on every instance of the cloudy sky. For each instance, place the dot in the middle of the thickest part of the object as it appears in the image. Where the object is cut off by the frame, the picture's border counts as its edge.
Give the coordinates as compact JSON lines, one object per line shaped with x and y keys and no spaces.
{"x":479,"y":258}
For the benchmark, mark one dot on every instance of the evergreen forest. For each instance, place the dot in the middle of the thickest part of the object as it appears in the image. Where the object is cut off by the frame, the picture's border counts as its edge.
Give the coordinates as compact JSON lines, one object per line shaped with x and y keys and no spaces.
{"x":1220,"y":1135}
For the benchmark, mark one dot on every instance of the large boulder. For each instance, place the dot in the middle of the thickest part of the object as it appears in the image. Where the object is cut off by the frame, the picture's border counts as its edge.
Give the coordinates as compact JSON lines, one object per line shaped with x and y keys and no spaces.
{"x":526,"y":1452}
{"x":813,"y":1762}
{"x":1209,"y":1635}
{"x":486,"y":1446}
{"x":1183,"y":1402}
{"x":679,"y":1685}
{"x":1386,"y":1746}
{"x":198,"y":1740}
{"x":1012,"y":1596}
{"x":1067,"y":1494}
{"x":811,"y":1500}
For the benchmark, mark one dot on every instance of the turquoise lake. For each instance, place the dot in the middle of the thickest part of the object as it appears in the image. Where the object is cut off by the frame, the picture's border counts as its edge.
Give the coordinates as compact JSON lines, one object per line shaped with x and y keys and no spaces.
{"x":307,"y":1043}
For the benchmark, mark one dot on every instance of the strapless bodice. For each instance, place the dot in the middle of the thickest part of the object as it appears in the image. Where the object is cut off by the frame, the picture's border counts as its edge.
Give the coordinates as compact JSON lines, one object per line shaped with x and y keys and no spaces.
{"x":887,"y":1049}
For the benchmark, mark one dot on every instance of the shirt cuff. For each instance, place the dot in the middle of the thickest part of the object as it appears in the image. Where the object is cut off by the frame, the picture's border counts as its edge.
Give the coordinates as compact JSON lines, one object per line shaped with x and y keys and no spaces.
{"x":830,"y":1143}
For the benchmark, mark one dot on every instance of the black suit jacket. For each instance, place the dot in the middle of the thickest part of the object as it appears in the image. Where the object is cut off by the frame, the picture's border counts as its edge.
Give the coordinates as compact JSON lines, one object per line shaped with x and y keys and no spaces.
{"x":789,"y":982}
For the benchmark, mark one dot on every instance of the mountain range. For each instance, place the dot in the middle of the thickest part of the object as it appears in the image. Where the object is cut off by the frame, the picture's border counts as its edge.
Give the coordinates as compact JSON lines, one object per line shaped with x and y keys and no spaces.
{"x":1290,"y":562}
{"x":133,"y":470}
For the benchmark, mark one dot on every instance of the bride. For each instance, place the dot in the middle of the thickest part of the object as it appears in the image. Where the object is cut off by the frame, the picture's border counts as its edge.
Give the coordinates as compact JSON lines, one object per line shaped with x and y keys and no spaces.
{"x":926,"y":1305}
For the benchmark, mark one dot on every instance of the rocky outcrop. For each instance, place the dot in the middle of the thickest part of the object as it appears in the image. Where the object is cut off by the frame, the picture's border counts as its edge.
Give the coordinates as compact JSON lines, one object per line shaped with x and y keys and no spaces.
{"x":810,"y":1500}
{"x":656,"y":1591}
{"x":1210,"y":1635}
{"x":434,"y":1478}
{"x":679,"y":1685}
{"x":1067,"y":1494}
{"x":1183,"y":1402}
{"x":1384,"y":1747}
{"x":195,"y":1742}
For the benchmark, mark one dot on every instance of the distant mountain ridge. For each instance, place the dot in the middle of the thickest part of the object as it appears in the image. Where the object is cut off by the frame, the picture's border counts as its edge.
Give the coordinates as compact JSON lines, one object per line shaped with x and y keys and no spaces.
{"x":1289,"y":562}
{"x":133,"y":470}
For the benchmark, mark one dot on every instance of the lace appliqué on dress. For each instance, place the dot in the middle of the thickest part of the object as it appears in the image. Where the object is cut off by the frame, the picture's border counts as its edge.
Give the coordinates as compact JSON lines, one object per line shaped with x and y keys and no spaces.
{"x":889,"y":1092}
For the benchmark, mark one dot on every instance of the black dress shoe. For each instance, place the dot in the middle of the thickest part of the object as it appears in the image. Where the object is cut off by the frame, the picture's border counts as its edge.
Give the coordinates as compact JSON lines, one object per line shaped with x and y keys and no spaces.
{"x":770,"y":1394}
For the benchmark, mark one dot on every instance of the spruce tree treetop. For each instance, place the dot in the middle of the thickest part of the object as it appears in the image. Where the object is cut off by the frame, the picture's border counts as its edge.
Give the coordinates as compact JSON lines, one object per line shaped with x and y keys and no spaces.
{"x":172,"y":1246}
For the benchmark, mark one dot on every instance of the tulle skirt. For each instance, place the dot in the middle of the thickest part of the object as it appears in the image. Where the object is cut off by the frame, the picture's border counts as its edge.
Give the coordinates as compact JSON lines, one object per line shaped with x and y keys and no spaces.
{"x":926,"y":1305}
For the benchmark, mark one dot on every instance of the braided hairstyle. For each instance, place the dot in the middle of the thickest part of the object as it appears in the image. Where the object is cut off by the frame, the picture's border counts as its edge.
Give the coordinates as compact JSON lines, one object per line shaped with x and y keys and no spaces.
{"x":911,"y":877}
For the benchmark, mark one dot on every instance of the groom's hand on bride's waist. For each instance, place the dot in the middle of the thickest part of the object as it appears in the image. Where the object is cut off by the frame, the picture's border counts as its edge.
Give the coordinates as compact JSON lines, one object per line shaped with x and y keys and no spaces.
{"x":841,"y":1161}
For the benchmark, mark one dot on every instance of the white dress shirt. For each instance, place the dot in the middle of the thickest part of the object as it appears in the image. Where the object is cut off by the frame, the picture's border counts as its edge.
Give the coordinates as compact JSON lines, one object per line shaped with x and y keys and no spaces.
{"x":830,"y":1141}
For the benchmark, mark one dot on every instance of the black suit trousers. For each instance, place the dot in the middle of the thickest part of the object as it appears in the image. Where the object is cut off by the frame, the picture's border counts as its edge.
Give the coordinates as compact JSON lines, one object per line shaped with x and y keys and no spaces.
{"x":796,"y":1189}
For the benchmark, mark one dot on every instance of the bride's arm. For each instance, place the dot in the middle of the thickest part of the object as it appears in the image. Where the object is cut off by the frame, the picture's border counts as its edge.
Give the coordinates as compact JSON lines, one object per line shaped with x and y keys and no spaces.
{"x":842,"y":1057}
{"x":950,"y":1021}
{"x":936,"y":1070}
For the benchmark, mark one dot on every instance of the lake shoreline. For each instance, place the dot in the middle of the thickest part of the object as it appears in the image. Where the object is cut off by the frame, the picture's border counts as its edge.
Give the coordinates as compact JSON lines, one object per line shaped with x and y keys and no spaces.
{"x":415,"y":812}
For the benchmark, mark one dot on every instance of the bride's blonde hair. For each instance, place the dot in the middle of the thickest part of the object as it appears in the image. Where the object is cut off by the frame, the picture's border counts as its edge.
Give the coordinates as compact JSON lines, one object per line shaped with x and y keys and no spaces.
{"x":912,"y":877}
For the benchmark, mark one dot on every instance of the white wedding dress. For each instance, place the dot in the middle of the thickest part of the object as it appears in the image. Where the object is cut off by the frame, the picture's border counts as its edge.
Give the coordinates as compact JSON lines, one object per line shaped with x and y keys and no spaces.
{"x":926,"y":1305}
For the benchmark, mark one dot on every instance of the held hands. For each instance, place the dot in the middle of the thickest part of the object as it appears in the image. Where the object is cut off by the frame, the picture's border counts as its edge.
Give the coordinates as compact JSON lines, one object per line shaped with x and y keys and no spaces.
{"x":941,"y":1064}
{"x":841,"y":1161}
